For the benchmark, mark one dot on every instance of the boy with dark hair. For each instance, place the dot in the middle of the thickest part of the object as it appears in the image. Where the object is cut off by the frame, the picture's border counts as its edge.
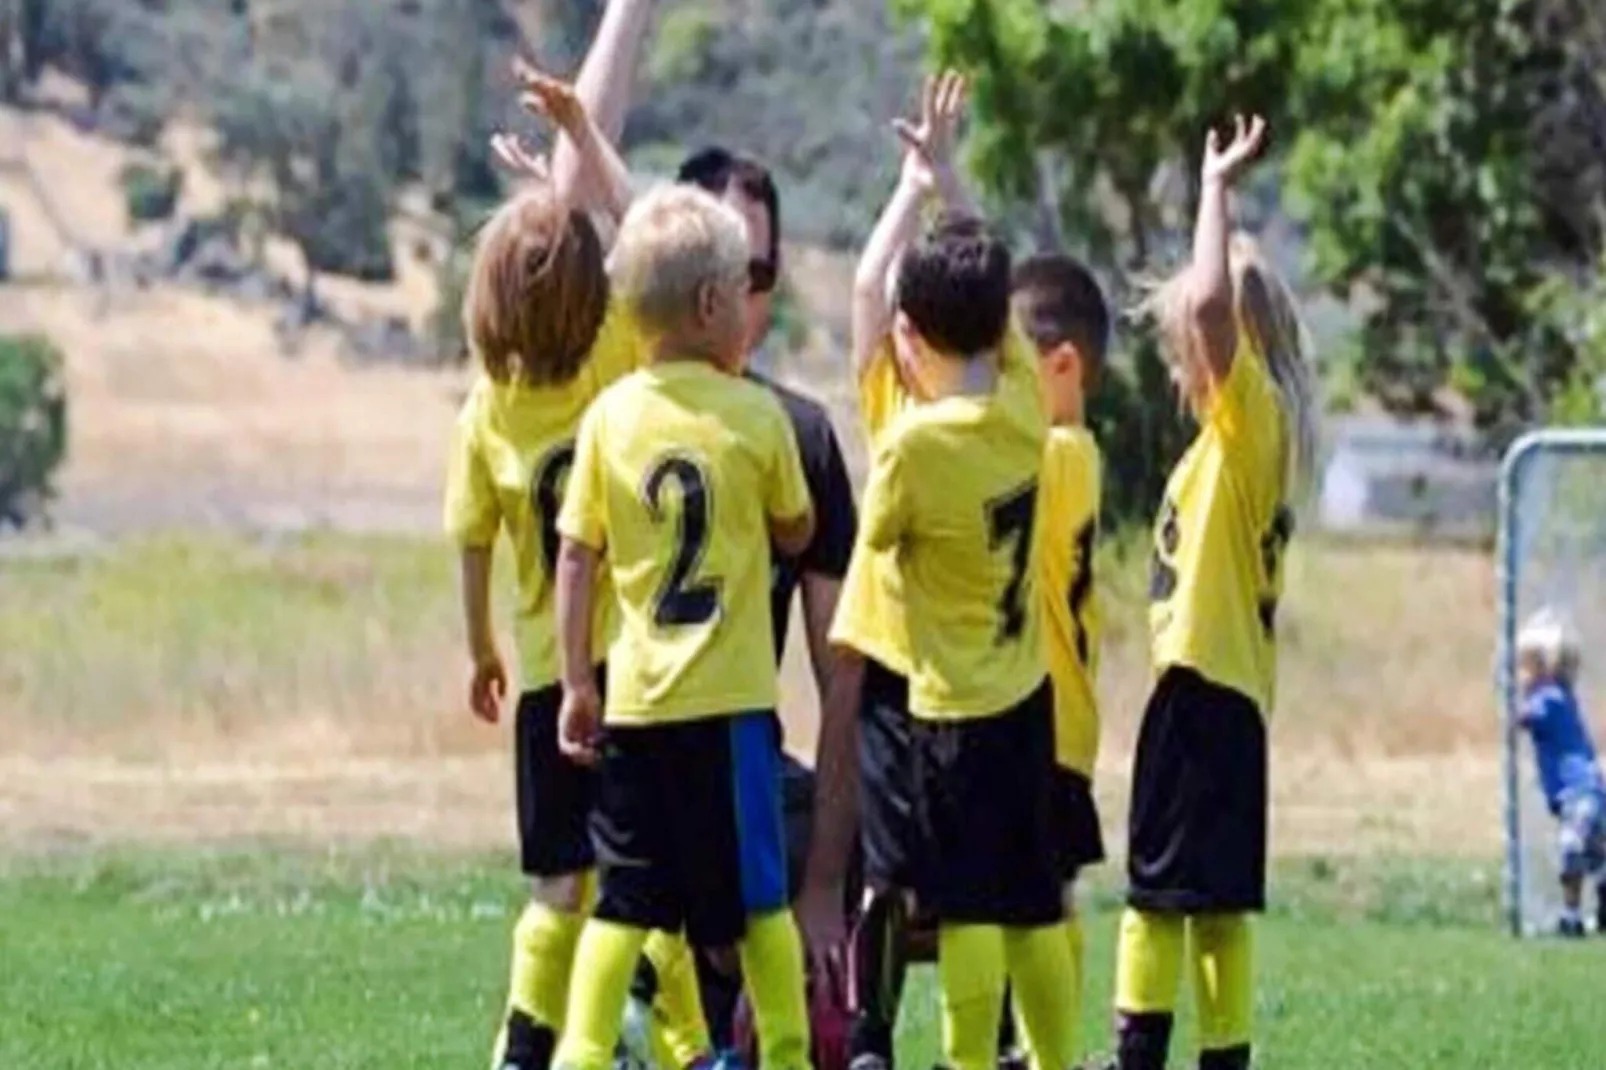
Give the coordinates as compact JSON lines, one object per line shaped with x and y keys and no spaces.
{"x":950,"y":513}
{"x":1059,"y":305}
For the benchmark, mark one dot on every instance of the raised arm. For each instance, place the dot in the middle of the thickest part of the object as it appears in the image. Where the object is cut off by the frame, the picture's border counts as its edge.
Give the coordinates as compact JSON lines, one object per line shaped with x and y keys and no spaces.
{"x":1210,"y":302}
{"x":604,"y":88}
{"x":600,"y":181}
{"x":927,"y":168}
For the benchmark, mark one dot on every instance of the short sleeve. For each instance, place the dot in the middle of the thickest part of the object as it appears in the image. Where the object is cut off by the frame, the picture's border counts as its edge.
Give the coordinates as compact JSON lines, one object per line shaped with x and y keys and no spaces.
{"x":584,"y":515}
{"x":836,"y":517}
{"x":881,"y":392}
{"x":1244,"y":409}
{"x":886,"y":499}
{"x":472,"y":513}
{"x":786,"y":493}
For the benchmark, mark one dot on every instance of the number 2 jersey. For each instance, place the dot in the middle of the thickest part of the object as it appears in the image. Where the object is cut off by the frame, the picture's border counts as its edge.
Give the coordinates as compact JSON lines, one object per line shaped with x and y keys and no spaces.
{"x":510,"y":458}
{"x":953,"y":489}
{"x":1216,"y":573}
{"x":1067,"y":527}
{"x":678,"y":470}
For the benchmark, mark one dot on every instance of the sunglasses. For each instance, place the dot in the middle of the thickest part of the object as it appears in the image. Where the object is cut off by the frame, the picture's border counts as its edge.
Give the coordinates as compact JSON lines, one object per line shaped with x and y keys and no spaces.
{"x":761,"y":276}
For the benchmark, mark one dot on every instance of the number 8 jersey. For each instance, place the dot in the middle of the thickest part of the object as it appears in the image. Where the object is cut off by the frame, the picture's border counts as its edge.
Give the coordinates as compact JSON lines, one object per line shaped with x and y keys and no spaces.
{"x":953,"y":490}
{"x":1216,"y":573}
{"x":678,"y":470}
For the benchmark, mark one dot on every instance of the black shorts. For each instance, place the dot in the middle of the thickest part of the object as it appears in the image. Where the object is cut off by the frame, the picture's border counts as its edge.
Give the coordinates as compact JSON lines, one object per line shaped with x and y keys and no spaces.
{"x":1197,"y":838}
{"x":1078,"y":839}
{"x":985,"y":789}
{"x":688,"y":826}
{"x":554,"y":795}
{"x":889,"y":828}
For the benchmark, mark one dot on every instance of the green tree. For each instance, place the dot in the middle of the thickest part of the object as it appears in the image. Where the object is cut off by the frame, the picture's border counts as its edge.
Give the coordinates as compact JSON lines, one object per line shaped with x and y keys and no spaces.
{"x":33,"y":425}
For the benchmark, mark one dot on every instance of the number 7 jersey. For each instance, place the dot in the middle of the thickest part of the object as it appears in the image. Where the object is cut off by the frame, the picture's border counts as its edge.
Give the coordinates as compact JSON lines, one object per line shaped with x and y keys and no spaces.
{"x":678,"y":471}
{"x":953,"y":490}
{"x":1067,"y":531}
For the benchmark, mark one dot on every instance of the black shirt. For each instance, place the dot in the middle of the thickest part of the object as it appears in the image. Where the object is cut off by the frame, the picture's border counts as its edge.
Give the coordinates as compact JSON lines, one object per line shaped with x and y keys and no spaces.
{"x":835,"y":516}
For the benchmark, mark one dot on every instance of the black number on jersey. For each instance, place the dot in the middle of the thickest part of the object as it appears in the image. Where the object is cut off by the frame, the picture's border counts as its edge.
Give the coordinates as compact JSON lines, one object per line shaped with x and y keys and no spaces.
{"x":1167,"y":537}
{"x":1010,"y":519}
{"x":1272,"y":545}
{"x":680,"y":599}
{"x":1082,"y":586}
{"x":546,"y":498}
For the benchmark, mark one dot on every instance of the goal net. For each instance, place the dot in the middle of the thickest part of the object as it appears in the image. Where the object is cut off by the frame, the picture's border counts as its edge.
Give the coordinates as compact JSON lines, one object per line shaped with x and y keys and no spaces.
{"x":1552,"y":555}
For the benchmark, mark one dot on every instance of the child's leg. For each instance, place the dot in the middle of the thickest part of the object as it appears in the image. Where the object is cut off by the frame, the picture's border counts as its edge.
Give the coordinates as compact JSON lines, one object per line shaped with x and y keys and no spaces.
{"x":971,"y":970}
{"x":1148,"y":970}
{"x":554,"y":800}
{"x":1223,"y":985}
{"x":544,"y":943}
{"x":604,"y":963}
{"x":1040,"y":971}
{"x":679,"y":1028}
{"x":772,"y":967}
{"x":878,"y":966}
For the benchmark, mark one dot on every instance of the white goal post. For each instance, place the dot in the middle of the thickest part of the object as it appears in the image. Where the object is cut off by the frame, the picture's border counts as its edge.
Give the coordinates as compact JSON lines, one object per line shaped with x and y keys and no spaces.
{"x":1551,"y":553}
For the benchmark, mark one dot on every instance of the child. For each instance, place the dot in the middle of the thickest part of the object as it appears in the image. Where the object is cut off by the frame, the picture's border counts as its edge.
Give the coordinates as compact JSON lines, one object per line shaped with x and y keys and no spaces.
{"x":1196,"y":856}
{"x":683,"y":474}
{"x":1547,"y":665}
{"x":952,"y":498}
{"x":548,"y":338}
{"x":1059,"y":306}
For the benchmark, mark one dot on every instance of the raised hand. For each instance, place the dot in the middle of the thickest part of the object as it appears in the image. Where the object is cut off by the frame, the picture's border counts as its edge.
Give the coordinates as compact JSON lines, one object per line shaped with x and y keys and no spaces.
{"x":929,"y":146}
{"x":512,"y":153}
{"x":549,"y":97}
{"x":1225,"y":165}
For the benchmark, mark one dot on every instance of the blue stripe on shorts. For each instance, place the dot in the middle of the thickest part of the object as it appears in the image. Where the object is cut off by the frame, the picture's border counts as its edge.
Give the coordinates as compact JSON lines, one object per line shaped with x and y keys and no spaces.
{"x":760,"y":825}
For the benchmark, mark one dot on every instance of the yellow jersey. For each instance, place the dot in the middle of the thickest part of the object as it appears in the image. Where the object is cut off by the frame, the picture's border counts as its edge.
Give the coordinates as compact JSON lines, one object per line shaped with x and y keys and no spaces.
{"x":510,"y":457}
{"x":1216,"y":572}
{"x":678,"y":470}
{"x":1068,"y":519}
{"x":869,"y":615}
{"x":953,"y":493}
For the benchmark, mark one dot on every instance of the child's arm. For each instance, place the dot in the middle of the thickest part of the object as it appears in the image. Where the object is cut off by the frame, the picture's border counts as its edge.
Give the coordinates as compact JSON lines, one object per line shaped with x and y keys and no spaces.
{"x":599,"y":177}
{"x":488,"y":686}
{"x":1209,"y":293}
{"x":580,"y":719}
{"x":604,"y":89}
{"x":927,"y":167}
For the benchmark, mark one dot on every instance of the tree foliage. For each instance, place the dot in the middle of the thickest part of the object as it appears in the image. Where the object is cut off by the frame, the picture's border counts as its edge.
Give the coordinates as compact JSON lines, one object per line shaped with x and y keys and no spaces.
{"x":33,"y":425}
{"x":1445,"y":158}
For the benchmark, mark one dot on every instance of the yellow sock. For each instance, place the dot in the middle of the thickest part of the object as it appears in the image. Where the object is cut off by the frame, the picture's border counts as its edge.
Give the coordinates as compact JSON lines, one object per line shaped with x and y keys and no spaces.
{"x":1043,"y":981}
{"x":543,"y":955}
{"x":604,"y":964}
{"x":971,"y":970}
{"x":1073,"y":938}
{"x":679,"y":1029}
{"x":1223,"y":979}
{"x":1148,"y":962}
{"x":772,"y":970}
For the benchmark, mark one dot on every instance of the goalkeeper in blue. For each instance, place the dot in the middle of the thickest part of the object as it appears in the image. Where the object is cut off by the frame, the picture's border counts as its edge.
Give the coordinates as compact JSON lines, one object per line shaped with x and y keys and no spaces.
{"x":1569,"y":775}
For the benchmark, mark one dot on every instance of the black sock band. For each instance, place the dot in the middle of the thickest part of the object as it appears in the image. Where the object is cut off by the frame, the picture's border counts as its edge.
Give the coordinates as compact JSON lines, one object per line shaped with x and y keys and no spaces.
{"x":529,"y":1045}
{"x":1235,"y":1058}
{"x":1142,"y":1040}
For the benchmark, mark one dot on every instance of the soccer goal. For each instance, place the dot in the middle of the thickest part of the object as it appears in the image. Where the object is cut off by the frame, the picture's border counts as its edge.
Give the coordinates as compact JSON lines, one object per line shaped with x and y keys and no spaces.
{"x":1551,"y":553}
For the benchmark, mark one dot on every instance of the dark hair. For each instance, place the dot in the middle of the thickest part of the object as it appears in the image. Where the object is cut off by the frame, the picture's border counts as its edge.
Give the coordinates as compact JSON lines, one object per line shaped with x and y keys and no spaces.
{"x":1058,"y":300}
{"x":537,"y":291}
{"x":716,"y":170}
{"x":953,"y":284}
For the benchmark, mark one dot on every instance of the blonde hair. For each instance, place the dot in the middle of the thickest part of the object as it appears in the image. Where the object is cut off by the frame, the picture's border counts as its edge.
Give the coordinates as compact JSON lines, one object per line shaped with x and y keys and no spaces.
{"x":1268,"y":315}
{"x":1549,"y":640}
{"x":537,"y":291}
{"x":673,"y":242}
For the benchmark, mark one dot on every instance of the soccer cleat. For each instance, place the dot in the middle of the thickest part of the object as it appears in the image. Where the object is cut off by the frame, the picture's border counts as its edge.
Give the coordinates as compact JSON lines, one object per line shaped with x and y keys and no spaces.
{"x":1571,"y":928}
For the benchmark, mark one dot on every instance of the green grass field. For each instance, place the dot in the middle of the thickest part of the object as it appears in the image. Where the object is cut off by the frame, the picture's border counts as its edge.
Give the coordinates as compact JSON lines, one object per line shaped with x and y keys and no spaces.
{"x":395,"y":958}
